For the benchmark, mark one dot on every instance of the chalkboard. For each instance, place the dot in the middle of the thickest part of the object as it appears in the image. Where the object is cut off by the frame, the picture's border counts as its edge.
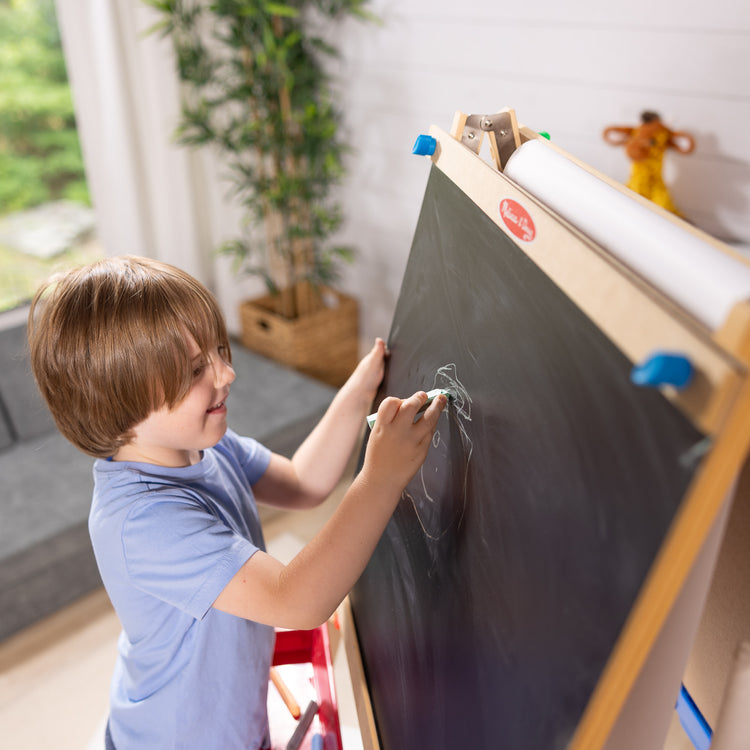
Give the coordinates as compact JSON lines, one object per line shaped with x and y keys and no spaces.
{"x":501,"y":583}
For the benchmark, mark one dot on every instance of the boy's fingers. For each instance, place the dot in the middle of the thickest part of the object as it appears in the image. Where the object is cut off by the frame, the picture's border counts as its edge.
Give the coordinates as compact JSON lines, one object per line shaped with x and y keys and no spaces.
{"x":414,"y":403}
{"x":391,"y":407}
{"x":434,"y":410}
{"x":381,"y":345}
{"x":388,"y":409}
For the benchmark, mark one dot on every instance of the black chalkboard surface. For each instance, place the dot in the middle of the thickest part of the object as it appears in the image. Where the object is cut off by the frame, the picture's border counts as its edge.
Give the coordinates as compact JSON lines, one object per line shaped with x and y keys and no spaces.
{"x":498,"y":590}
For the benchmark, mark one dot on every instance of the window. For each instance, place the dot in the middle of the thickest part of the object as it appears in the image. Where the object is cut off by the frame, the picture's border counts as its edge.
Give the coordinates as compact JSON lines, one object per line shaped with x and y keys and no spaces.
{"x":46,"y":220}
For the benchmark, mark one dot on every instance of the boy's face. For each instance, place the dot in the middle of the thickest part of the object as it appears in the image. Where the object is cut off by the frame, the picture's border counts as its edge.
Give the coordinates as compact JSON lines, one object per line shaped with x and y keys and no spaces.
{"x":176,"y":437}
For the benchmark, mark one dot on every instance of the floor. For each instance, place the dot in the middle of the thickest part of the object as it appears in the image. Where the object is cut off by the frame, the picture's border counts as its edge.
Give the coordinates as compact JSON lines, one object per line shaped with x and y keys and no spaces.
{"x":54,"y":676}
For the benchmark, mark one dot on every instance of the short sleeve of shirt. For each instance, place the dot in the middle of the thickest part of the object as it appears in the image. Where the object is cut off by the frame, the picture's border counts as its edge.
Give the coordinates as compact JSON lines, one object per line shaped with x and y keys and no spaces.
{"x":179,"y":551}
{"x":252,"y":456}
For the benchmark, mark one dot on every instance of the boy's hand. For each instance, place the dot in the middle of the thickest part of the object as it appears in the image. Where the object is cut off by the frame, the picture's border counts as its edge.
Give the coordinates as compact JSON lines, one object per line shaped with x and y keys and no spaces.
{"x":398,"y":446}
{"x":369,"y":372}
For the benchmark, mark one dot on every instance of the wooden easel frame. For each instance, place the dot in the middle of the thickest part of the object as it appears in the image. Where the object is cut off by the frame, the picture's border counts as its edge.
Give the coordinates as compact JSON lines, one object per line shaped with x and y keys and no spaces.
{"x":638,"y":318}
{"x":362,"y":702}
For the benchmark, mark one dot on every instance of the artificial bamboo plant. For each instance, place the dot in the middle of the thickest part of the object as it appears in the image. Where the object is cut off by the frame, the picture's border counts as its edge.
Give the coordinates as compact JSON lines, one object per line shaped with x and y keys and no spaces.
{"x":256,"y":88}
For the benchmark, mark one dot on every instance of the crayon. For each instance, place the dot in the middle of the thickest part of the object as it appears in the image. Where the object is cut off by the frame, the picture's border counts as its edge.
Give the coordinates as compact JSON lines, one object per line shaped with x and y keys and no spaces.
{"x":285,"y":693}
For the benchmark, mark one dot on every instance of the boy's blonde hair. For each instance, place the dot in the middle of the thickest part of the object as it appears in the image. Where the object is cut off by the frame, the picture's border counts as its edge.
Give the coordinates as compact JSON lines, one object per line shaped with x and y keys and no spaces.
{"x":109,"y":345}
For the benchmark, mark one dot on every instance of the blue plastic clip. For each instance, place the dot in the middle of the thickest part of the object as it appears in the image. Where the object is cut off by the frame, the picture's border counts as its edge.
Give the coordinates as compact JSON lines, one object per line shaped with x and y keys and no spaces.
{"x":425,"y":145}
{"x":692,"y":721}
{"x":663,"y":368}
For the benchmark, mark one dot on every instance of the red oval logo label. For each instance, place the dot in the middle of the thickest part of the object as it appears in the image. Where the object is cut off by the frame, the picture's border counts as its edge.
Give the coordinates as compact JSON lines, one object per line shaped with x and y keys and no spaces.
{"x":517,"y":219}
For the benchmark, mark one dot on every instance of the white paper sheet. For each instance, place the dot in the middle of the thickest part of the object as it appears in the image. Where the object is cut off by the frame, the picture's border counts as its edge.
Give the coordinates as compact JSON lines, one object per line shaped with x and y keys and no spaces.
{"x":695,"y":274}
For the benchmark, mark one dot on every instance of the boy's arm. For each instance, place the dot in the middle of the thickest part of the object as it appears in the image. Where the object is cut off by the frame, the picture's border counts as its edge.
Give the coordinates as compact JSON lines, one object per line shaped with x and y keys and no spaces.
{"x":318,"y":464}
{"x":304,"y":593}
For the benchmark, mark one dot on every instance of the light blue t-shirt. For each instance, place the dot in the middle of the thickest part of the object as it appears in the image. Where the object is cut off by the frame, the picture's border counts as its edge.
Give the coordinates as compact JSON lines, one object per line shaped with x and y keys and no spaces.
{"x":167,"y":542}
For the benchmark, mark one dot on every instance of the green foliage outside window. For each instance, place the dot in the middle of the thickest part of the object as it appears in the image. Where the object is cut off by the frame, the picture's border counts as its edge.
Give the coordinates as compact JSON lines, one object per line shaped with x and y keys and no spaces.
{"x":40,"y":156}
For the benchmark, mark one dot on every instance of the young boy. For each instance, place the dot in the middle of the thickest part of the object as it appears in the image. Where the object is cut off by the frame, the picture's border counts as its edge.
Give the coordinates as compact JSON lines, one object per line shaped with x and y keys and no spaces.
{"x":133,"y":359}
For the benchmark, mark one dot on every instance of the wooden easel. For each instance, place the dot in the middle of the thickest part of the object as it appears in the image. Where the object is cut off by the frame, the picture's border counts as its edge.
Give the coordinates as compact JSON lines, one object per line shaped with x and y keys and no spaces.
{"x":362,"y":701}
{"x":638,"y":318}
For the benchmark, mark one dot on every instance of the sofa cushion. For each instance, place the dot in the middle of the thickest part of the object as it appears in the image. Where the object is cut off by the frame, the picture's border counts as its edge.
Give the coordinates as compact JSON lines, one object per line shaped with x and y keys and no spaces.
{"x":6,"y":436}
{"x":46,"y":487}
{"x":25,"y":410}
{"x":269,"y":402}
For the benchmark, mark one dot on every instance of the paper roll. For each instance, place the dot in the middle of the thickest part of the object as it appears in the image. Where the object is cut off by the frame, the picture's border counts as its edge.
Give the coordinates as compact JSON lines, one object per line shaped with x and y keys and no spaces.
{"x":695,"y":274}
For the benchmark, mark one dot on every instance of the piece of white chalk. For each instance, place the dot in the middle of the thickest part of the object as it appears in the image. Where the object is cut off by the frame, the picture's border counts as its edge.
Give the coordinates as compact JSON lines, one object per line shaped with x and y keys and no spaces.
{"x":431,"y":396}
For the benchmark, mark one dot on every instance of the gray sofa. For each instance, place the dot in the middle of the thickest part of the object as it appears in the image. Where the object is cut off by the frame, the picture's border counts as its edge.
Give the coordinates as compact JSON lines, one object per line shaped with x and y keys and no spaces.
{"x":46,"y":559}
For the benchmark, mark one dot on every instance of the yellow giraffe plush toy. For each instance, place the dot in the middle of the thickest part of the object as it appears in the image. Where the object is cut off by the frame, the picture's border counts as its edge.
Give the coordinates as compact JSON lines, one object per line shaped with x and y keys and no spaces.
{"x":645,"y":145}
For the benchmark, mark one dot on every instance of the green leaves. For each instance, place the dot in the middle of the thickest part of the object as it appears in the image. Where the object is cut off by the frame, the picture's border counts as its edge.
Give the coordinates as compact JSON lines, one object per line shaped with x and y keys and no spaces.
{"x":40,"y":156}
{"x":279,"y":9}
{"x":255,"y":89}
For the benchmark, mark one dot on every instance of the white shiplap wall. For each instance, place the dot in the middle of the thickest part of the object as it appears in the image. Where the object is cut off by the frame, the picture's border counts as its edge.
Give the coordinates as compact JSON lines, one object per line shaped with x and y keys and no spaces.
{"x":569,"y":68}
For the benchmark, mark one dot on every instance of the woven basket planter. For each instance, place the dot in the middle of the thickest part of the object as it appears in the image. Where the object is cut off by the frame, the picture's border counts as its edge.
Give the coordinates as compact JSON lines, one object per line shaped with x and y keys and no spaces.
{"x":323,"y":344}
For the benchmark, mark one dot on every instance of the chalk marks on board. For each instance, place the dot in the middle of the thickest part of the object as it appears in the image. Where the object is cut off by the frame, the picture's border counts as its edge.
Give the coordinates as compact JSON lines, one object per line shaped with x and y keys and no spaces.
{"x":439,"y":492}
{"x":499,"y":588}
{"x":693,"y":455}
{"x":447,"y":379}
